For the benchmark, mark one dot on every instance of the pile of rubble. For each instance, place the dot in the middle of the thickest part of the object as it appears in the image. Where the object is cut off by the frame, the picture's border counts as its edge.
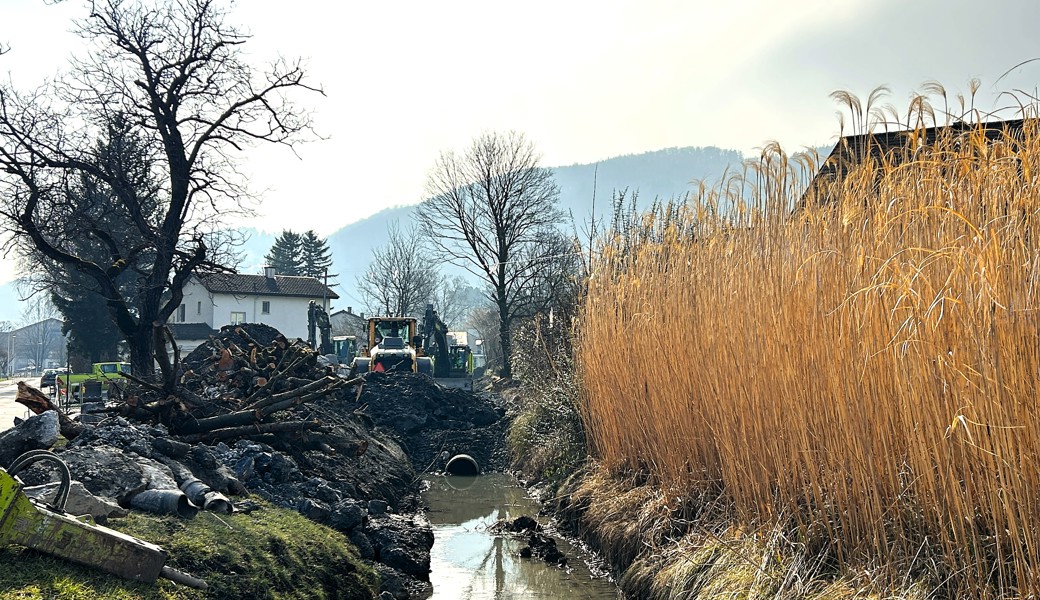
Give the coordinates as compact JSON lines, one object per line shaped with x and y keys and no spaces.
{"x":256,"y":414}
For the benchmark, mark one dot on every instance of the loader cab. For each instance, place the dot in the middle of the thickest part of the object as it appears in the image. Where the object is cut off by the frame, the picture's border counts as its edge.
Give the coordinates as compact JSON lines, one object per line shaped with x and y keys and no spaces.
{"x":391,"y":332}
{"x":391,"y":342}
{"x":345,"y":347}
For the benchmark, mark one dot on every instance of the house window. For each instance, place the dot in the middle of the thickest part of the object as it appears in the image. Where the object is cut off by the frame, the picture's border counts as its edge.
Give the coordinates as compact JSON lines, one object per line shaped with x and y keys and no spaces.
{"x":265,"y":307}
{"x":198,"y":309}
{"x":237,"y":318}
{"x":180,"y":314}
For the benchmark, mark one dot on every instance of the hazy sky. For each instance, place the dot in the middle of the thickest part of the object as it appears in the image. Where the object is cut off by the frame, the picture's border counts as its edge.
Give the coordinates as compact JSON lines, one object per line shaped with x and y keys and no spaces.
{"x":584,"y":80}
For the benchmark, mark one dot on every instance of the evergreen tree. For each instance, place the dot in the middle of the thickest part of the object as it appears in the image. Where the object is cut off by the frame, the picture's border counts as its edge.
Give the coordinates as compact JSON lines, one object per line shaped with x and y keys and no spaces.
{"x":286,"y":255}
{"x":317,"y":257}
{"x":89,"y":330}
{"x":78,"y":297}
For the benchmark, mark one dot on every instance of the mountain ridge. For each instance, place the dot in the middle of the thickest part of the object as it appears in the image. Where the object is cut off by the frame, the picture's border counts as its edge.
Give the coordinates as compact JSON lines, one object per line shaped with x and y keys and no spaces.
{"x":663,"y":174}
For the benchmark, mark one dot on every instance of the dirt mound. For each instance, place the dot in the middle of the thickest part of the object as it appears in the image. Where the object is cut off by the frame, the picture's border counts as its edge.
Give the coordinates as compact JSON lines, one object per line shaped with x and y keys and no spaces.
{"x":433,"y":423}
{"x":256,"y":413}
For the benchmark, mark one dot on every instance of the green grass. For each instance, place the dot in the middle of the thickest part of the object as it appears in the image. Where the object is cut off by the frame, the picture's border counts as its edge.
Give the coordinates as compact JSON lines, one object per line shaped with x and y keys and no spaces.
{"x":272,"y":553}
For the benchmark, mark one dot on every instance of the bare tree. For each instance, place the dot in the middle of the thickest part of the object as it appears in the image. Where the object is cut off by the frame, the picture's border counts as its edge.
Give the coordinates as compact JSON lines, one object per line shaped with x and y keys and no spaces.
{"x":39,"y":339}
{"x":491,"y":211}
{"x":486,"y":323}
{"x":401,"y":279}
{"x":455,"y":299}
{"x":175,"y":74}
{"x":7,"y":339}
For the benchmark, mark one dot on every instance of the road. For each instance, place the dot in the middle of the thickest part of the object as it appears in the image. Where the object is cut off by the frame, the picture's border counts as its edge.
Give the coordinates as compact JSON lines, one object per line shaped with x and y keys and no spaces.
{"x":9,"y":409}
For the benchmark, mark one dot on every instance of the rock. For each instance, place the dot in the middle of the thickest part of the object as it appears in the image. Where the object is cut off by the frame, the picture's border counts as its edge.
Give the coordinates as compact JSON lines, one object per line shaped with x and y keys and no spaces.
{"x":159,"y":476}
{"x":39,"y":432}
{"x":315,"y":510}
{"x":325,"y":493}
{"x":346,"y":515}
{"x":80,"y":502}
{"x":281,"y":468}
{"x":402,"y":543}
{"x":390,"y":583}
{"x":244,"y":468}
{"x":377,"y":507}
{"x":107,"y":471}
{"x":202,"y":456}
{"x":363,"y":544}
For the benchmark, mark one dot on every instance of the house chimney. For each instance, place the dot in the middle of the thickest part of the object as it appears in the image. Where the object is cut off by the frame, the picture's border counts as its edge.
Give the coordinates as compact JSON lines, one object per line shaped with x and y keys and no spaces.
{"x":269,"y":272}
{"x":350,"y":310}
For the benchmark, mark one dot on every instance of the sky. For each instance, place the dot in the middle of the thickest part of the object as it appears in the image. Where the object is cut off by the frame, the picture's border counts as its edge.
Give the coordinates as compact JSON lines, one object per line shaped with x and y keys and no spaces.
{"x":583,"y":80}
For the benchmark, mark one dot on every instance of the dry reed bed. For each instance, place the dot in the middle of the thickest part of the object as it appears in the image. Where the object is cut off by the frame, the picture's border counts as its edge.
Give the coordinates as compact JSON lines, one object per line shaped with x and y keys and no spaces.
{"x":860,"y":372}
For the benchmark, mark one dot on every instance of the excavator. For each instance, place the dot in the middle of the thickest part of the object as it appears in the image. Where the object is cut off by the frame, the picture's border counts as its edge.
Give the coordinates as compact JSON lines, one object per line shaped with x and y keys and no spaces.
{"x":452,"y":362}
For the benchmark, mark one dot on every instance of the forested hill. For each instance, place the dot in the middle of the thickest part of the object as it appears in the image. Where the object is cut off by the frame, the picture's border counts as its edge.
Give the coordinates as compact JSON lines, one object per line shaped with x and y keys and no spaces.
{"x":664,"y":174}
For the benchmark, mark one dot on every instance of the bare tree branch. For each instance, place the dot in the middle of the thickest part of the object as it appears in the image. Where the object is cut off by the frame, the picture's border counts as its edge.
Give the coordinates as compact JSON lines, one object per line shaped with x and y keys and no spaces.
{"x":167,"y":89}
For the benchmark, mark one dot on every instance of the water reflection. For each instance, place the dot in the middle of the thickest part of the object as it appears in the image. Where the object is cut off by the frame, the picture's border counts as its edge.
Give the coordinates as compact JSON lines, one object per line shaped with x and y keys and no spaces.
{"x":468,"y":562}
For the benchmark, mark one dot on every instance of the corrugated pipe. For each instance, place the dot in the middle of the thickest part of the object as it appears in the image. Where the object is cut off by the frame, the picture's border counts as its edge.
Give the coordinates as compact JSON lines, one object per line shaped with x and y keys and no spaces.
{"x":165,"y":502}
{"x":202,"y":495}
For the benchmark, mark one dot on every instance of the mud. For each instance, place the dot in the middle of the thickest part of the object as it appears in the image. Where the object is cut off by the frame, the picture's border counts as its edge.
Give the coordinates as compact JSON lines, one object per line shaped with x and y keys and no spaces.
{"x":357,"y":470}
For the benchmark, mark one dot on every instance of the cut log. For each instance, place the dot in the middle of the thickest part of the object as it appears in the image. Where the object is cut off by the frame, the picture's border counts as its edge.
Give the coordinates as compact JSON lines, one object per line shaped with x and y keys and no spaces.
{"x":246,"y":431}
{"x":39,"y":403}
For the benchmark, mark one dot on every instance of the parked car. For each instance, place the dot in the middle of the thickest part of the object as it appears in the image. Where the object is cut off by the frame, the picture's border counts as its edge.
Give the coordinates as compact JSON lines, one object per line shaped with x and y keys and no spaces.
{"x":47,"y":380}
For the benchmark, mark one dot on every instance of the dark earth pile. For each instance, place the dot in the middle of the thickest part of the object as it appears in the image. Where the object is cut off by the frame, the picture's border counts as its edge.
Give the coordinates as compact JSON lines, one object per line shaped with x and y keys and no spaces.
{"x":258,"y":414}
{"x":429,"y":421}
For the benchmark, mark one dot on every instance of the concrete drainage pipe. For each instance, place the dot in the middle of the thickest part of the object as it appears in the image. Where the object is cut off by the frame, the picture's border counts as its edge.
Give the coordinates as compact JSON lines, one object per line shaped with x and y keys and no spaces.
{"x":462,"y":464}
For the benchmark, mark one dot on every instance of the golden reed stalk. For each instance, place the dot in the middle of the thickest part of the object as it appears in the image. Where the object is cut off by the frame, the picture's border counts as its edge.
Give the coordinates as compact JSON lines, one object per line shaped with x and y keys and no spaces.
{"x":861,"y":368}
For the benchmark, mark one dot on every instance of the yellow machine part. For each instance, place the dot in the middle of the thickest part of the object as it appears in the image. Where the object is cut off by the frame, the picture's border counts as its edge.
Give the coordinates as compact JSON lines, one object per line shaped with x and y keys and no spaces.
{"x":25,"y":523}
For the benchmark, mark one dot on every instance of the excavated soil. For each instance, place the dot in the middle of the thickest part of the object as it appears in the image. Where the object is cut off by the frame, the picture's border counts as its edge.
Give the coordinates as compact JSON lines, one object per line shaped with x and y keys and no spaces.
{"x":358,"y":469}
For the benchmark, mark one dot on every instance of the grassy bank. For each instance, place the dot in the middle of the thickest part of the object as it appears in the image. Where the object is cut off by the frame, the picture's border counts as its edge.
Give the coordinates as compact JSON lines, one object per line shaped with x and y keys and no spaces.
{"x":849,"y":384}
{"x":272,"y":553}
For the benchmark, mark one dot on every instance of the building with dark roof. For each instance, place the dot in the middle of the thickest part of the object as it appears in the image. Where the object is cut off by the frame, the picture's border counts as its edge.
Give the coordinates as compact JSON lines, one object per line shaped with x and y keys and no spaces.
{"x":348,"y":322}
{"x":897,"y":147}
{"x":213,"y":301}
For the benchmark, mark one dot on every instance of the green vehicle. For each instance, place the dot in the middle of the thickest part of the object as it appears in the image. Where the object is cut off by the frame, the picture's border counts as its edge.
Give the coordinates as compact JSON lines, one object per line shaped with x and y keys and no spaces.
{"x":101,"y":373}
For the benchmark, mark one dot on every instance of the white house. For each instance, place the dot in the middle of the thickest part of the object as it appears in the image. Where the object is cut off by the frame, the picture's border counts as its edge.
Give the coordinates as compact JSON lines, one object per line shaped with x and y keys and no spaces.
{"x":213,"y":301}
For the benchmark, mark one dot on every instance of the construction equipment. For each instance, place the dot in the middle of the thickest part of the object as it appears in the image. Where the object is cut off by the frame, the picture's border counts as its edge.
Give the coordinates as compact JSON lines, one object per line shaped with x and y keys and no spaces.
{"x":452,"y":362}
{"x":392,"y":343}
{"x":46,"y":528}
{"x":319,"y":328}
{"x":460,"y":362}
{"x":345,"y":347}
{"x":101,"y":374}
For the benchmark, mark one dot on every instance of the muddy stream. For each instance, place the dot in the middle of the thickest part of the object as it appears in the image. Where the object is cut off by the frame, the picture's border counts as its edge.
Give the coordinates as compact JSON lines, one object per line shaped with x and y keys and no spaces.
{"x":470,"y":562}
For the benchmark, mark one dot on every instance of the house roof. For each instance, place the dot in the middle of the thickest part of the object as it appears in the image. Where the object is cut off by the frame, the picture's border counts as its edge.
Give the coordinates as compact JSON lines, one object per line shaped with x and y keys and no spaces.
{"x":279,"y":285}
{"x":191,"y":331}
{"x":897,"y":147}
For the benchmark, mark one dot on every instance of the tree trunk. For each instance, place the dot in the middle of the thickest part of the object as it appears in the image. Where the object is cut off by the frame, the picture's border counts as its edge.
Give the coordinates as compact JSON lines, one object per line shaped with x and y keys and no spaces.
{"x":141,"y":355}
{"x":505,"y":335}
